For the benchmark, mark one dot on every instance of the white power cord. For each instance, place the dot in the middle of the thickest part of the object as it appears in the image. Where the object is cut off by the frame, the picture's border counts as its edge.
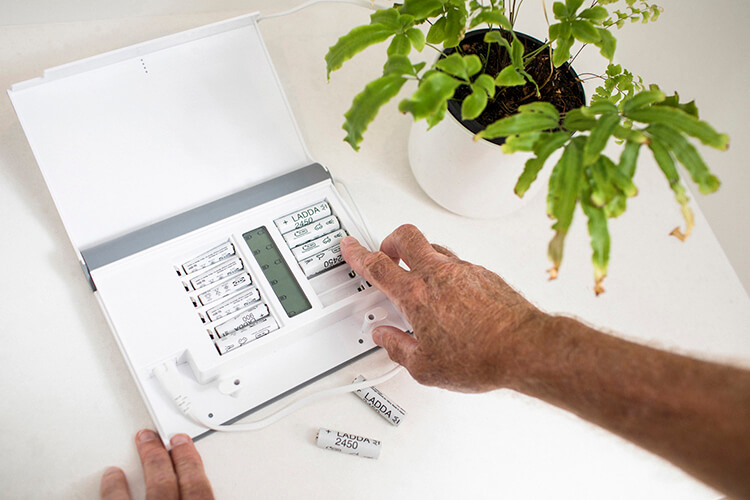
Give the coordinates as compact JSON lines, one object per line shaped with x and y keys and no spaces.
{"x":172,"y":382}
{"x":369,"y":4}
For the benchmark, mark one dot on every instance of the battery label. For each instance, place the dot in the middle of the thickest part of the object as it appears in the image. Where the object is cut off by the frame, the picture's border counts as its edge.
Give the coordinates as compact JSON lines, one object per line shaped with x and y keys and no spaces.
{"x":303,"y":217}
{"x":322,"y":261}
{"x":386,"y":408}
{"x":242,"y":320}
{"x":225,"y":288}
{"x":239,"y":302}
{"x":259,"y":329}
{"x":318,"y":245}
{"x":310,"y":232}
{"x":219,"y":273}
{"x":209,"y":258}
{"x":350,"y":444}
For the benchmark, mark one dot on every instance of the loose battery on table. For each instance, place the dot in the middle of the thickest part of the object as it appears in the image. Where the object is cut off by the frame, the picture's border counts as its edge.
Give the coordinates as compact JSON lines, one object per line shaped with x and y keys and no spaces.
{"x":242,"y":320}
{"x":310,"y":232}
{"x":303,"y":217}
{"x":220,"y":272}
{"x":241,"y":301}
{"x":225,"y":288}
{"x":257,"y":330}
{"x":350,"y":444}
{"x":209,"y":257}
{"x":378,"y":401}
{"x":322,"y":261}
{"x":318,"y":245}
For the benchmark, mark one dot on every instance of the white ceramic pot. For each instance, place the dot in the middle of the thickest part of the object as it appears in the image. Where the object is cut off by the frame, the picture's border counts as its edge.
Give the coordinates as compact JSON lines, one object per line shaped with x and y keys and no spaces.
{"x":474,"y":179}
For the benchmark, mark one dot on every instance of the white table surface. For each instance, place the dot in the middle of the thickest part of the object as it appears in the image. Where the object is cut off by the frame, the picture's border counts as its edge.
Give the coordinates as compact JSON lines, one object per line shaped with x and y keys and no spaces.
{"x":68,"y":407}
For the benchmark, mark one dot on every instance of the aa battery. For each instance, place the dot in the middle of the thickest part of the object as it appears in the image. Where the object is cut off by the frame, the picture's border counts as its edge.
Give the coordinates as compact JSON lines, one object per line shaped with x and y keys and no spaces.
{"x":318,"y":245}
{"x":242,"y":320}
{"x":386,"y":408}
{"x":259,"y":329}
{"x":348,"y":443}
{"x":225,"y":288}
{"x":209,"y":258}
{"x":237,"y":303}
{"x":311,"y":231}
{"x":322,"y":262}
{"x":303,"y":217}
{"x":220,"y":272}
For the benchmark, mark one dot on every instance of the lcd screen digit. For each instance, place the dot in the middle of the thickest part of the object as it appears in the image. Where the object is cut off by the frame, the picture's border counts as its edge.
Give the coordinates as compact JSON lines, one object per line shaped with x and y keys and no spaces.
{"x":276,"y":271}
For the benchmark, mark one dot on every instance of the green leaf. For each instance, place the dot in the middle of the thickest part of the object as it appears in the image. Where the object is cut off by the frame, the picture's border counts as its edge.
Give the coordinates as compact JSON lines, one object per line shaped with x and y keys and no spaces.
{"x":455,"y":26}
{"x":473,"y":64}
{"x":416,"y":37}
{"x":607,"y":45}
{"x":687,"y":155}
{"x":367,"y":104}
{"x":602,"y":188}
{"x":599,"y":137}
{"x":561,"y":54}
{"x":666,"y":164}
{"x":683,"y":122}
{"x":673,"y":101}
{"x":474,"y":104}
{"x":517,"y":124}
{"x":585,"y":31}
{"x":521,"y":142}
{"x":509,"y":77}
{"x":436,"y":33}
{"x":516,"y":52}
{"x":493,"y":17}
{"x":454,"y":65}
{"x":600,"y":108}
{"x":400,"y":45}
{"x":354,"y":42}
{"x":600,"y":242}
{"x":629,"y":134}
{"x":421,"y":9}
{"x":642,"y":100}
{"x":596,"y":13}
{"x":629,"y":159}
{"x":399,"y":65}
{"x":564,"y":188}
{"x":437,"y":116}
{"x":575,"y":120}
{"x":542,"y":107}
{"x":487,"y":83}
{"x":386,"y":17}
{"x":573,"y":6}
{"x":432,"y":93}
{"x":560,"y":10}
{"x":495,"y":37}
{"x":547,"y":144}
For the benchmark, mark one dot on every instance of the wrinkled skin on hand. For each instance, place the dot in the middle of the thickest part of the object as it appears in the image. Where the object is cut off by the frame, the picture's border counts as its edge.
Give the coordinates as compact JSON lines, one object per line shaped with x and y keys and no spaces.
{"x":469,"y":326}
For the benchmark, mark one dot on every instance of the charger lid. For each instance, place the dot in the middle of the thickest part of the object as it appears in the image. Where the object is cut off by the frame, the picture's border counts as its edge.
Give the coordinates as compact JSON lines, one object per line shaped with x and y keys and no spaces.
{"x":137,"y":135}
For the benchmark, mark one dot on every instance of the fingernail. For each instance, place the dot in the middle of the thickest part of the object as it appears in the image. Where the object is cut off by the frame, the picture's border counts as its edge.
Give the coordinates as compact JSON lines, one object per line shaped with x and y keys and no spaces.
{"x":111,"y":470}
{"x":348,"y":240}
{"x":179,"y":439}
{"x":377,"y":337}
{"x":145,"y":436}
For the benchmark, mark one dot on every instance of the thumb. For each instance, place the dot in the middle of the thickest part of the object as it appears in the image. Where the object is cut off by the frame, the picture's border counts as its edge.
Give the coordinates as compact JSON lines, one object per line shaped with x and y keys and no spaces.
{"x":399,"y":345}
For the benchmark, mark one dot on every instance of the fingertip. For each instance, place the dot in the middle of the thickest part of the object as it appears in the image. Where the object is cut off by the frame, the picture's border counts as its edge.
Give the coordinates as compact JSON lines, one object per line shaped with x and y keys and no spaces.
{"x":377,"y":337}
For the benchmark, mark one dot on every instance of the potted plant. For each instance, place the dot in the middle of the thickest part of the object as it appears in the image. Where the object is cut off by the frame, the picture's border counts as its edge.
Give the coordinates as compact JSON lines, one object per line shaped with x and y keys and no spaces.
{"x":508,"y":88}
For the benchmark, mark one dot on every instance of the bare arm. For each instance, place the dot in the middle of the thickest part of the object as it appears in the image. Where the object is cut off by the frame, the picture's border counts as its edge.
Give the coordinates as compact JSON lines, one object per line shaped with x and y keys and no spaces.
{"x":474,"y":333}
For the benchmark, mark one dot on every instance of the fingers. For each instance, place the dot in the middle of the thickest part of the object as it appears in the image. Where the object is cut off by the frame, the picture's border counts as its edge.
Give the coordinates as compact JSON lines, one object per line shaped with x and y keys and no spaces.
{"x":408,"y":244}
{"x":191,"y":475}
{"x":375,"y":267}
{"x":114,"y":486}
{"x":161,"y":482}
{"x":399,"y":345}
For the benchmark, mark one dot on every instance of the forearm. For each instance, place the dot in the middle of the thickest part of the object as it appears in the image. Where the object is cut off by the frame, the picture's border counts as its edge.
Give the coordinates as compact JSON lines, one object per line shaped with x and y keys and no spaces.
{"x":694,"y":413}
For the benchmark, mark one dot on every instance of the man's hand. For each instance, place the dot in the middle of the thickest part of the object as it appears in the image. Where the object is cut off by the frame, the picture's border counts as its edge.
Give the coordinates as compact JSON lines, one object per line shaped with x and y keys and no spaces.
{"x":470,"y":327}
{"x":175,"y":474}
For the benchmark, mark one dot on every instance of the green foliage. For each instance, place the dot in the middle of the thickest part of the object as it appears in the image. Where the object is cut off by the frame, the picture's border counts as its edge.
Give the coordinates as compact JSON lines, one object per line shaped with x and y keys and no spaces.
{"x":600,"y":143}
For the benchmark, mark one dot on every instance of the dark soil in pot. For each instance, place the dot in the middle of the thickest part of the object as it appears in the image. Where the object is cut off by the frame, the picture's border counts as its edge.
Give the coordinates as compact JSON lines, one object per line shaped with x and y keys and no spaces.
{"x":558,"y":86}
